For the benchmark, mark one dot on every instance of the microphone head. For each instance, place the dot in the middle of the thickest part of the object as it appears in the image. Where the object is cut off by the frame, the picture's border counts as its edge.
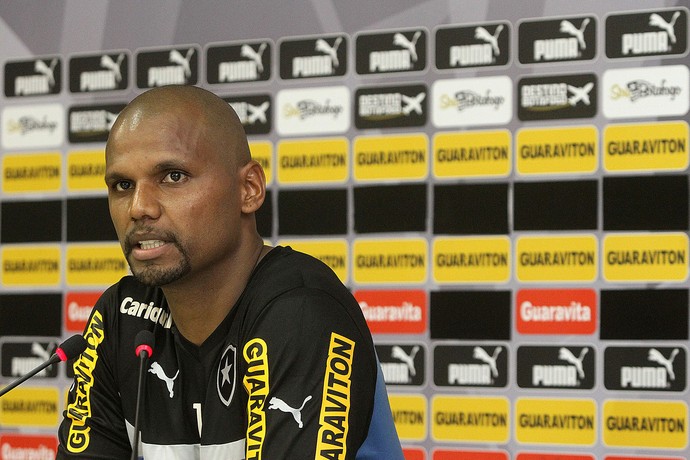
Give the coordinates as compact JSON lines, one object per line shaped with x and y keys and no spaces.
{"x":71,"y":348}
{"x":144,"y":342}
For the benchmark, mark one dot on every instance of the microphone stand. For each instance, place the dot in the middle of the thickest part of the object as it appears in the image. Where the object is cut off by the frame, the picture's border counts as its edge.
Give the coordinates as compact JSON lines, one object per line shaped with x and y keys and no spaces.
{"x":144,"y":341}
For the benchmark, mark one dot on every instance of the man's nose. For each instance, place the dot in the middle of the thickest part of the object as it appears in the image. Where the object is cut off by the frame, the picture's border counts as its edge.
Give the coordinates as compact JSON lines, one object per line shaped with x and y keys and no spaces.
{"x":145,"y":204}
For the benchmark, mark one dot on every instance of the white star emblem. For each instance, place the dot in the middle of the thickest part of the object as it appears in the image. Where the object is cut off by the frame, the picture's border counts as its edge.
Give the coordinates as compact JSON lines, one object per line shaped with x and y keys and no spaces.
{"x":225,"y":371}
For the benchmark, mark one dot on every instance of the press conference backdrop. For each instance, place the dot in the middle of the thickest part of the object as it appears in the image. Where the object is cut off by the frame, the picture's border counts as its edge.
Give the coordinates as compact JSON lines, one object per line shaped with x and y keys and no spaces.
{"x":502,"y":184}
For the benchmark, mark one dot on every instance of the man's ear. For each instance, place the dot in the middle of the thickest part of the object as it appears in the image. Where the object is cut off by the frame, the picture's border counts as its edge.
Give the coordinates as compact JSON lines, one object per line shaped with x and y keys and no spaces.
{"x":253,"y":189}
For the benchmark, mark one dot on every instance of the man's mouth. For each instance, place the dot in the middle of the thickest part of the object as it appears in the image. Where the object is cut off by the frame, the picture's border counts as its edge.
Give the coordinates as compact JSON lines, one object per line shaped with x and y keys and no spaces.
{"x":151,"y":244}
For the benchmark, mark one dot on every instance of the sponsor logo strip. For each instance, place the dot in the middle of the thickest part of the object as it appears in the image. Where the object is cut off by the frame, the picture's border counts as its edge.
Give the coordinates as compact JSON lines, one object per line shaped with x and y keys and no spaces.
{"x":646,"y":91}
{"x":174,"y":66}
{"x":648,"y":424}
{"x":556,"y":421}
{"x":410,"y":416}
{"x":651,"y":33}
{"x":85,"y":171}
{"x":256,"y":384}
{"x":394,"y":312}
{"x":545,"y":456}
{"x":25,"y":447}
{"x":391,"y":107}
{"x":558,"y":258}
{"x":645,"y":368}
{"x":471,"y":366}
{"x":310,"y":161}
{"x":472,"y":102}
{"x":556,"y":311}
{"x":557,"y":40}
{"x":31,"y":265}
{"x":32,"y":173}
{"x":79,"y":408}
{"x":646,"y":147}
{"x":467,"y":419}
{"x":324,"y":56}
{"x":557,"y":150}
{"x":472,"y":154}
{"x":397,"y":51}
{"x":473,"y":46}
{"x":391,"y":157}
{"x":469,"y":260}
{"x":646,"y":257}
{"x":88,"y":265}
{"x":390,"y":261}
{"x":240,"y":62}
{"x":443,"y":454}
{"x":402,"y":364}
{"x":92,"y":123}
{"x":324,"y":110}
{"x":335,"y":404}
{"x":557,"y":97}
{"x":30,"y":407}
{"x":567,"y":367}
{"x":33,"y":126}
{"x":99,"y":72}
{"x":77,"y":308}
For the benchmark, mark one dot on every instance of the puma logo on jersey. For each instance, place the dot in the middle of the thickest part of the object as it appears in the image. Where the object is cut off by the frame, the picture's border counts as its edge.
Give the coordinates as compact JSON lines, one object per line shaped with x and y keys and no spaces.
{"x":158,"y":371}
{"x":277,"y":403}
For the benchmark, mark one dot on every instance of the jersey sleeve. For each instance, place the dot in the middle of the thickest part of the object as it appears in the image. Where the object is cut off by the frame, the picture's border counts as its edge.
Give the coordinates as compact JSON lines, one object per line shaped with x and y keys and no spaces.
{"x":93,"y":425}
{"x":310,"y":376}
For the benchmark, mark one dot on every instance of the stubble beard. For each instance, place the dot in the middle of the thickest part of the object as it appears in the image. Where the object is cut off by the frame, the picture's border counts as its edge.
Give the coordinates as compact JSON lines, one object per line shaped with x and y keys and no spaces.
{"x":154,"y":275}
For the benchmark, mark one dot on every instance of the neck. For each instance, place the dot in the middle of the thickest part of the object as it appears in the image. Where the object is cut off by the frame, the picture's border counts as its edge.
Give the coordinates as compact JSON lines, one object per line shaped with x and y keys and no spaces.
{"x":200,"y":303}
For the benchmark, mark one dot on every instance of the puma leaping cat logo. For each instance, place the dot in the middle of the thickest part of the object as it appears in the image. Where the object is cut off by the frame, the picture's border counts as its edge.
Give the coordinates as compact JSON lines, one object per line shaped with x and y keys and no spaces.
{"x":158,"y":371}
{"x":277,"y":403}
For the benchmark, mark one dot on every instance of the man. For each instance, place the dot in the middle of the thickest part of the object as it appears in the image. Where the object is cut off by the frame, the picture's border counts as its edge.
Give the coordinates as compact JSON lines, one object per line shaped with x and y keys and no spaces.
{"x":259,"y":352}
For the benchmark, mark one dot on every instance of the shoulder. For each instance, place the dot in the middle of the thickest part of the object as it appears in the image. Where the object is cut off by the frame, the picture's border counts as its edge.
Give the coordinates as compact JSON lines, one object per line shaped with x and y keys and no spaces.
{"x":293,"y":290}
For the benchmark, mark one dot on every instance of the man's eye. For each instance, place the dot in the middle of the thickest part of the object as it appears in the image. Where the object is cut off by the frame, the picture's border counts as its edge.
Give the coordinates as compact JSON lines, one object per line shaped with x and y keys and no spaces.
{"x":174,"y":176}
{"x":123,"y":185}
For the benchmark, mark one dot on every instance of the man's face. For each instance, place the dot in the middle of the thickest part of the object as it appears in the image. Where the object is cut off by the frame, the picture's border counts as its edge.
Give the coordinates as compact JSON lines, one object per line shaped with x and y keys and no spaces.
{"x":173,"y":200}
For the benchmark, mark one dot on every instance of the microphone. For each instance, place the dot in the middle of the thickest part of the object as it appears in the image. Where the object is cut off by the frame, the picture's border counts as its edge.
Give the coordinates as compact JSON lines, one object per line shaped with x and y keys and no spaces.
{"x":70,"y":348}
{"x":143,"y":342}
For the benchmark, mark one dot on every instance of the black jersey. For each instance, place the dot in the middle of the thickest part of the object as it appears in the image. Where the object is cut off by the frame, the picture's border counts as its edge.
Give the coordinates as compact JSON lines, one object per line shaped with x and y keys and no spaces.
{"x":291,"y":373}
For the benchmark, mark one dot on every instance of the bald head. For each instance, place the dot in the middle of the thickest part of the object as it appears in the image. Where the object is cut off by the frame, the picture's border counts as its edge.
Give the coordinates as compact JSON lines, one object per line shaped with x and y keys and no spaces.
{"x":211,"y":118}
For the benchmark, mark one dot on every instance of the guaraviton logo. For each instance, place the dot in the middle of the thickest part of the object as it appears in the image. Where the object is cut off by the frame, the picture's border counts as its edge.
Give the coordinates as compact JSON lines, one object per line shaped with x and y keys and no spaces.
{"x":391,"y":106}
{"x":555,"y":40}
{"x":650,"y":33}
{"x":254,"y":111}
{"x":483,"y":365}
{"x":323,"y":56}
{"x":172,"y":66}
{"x":561,"y":96}
{"x":556,"y":367}
{"x":396,"y":51}
{"x":238,"y":62}
{"x":645,"y":368}
{"x":471,"y":419}
{"x":99,"y":72}
{"x":34,"y":77}
{"x":473,"y":46}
